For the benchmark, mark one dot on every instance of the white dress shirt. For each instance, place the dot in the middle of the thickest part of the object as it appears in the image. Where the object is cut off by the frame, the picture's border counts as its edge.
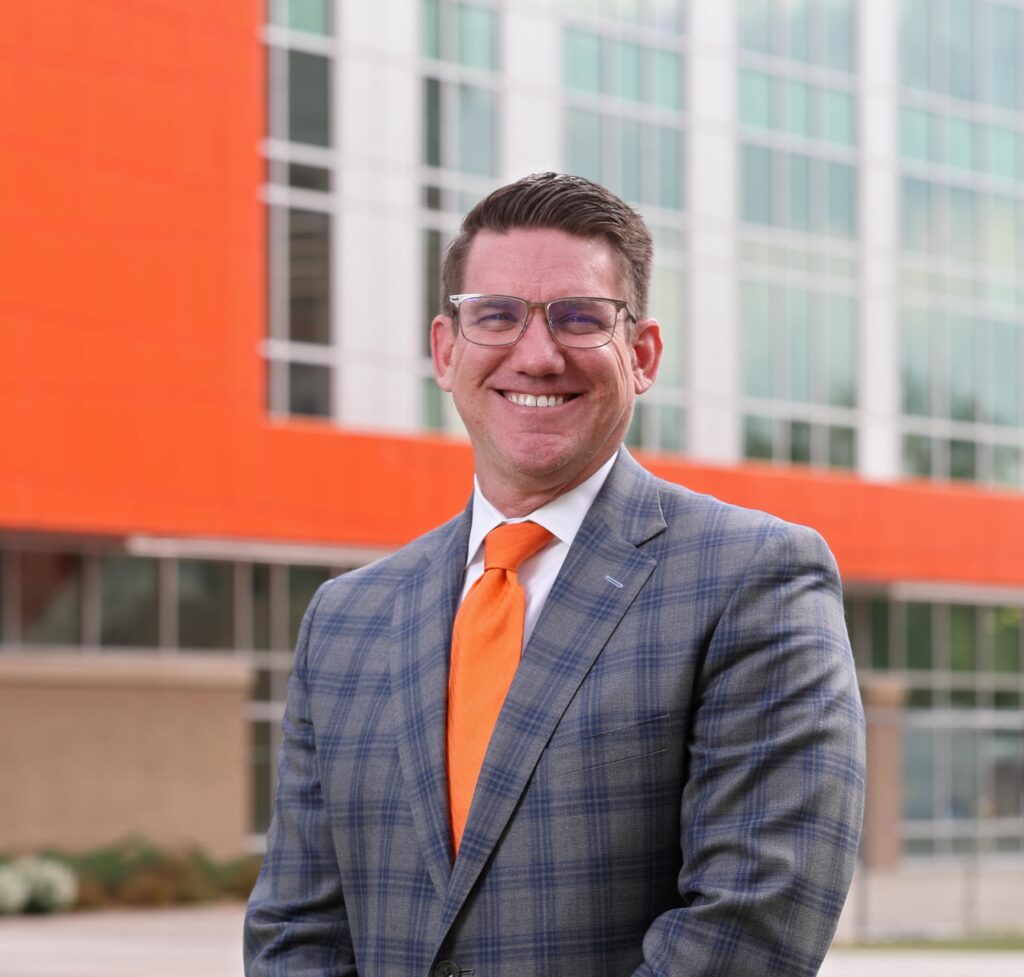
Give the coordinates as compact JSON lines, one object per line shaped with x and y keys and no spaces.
{"x":562,"y":517}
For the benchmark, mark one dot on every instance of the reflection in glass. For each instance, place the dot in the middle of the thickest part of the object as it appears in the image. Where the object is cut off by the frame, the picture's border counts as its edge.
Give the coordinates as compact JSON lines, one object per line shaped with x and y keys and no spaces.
{"x":757,"y":184}
{"x":309,"y":82}
{"x":476,"y":130}
{"x":916,"y":363}
{"x":309,"y":389}
{"x":919,"y":636}
{"x":50,"y":606}
{"x":755,"y":99}
{"x":129,"y":601}
{"x":917,"y":455}
{"x":582,"y":61}
{"x":309,"y":276}
{"x":842,"y":447}
{"x":963,"y":625}
{"x":757,"y":437}
{"x":476,"y":36}
{"x":205,"y":604}
{"x":963,"y":460}
{"x":584,"y":149}
{"x":313,"y":16}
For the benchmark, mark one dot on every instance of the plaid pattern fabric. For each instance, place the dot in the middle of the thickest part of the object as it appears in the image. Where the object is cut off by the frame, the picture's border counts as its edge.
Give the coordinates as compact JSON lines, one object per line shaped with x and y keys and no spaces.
{"x":674,"y":785}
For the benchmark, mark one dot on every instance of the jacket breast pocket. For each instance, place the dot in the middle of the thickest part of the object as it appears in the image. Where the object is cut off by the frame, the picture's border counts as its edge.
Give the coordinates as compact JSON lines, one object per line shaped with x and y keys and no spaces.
{"x":621,"y":742}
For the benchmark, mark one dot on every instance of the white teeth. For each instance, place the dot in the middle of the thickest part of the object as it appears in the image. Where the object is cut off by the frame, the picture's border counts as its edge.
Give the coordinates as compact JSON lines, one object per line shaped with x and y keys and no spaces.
{"x":529,"y":400}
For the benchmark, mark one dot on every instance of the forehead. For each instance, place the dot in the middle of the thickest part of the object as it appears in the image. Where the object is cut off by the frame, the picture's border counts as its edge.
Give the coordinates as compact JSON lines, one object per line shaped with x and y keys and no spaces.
{"x":541,"y":264}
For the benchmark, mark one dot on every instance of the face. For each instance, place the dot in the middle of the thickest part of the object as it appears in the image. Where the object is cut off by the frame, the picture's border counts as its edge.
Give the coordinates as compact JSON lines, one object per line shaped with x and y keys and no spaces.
{"x":543,"y":418}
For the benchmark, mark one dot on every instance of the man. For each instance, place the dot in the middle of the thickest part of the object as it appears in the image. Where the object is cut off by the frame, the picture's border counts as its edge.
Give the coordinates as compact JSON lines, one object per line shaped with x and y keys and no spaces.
{"x":669,"y":782}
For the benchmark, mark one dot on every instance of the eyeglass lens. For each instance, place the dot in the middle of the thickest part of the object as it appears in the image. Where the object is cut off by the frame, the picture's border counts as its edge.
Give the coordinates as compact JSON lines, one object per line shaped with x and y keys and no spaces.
{"x":494,"y":320}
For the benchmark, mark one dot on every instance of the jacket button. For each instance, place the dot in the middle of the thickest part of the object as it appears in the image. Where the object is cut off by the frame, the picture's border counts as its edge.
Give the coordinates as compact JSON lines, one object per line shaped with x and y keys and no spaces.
{"x":446,"y":969}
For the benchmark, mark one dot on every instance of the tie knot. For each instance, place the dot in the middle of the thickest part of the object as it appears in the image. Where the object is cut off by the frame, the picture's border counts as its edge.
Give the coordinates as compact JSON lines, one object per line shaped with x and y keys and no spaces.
{"x":506,"y":546}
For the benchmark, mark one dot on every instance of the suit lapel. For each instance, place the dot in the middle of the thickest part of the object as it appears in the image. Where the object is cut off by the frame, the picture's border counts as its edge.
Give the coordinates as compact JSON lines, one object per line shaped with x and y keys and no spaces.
{"x":421,"y":632}
{"x":601,"y":576}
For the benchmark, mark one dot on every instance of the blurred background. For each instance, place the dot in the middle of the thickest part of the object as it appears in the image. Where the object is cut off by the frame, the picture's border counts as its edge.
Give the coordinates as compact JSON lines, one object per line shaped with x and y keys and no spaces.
{"x":222,"y":227}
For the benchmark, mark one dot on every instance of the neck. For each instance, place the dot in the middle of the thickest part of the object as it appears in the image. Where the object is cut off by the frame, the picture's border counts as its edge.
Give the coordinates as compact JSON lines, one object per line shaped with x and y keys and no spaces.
{"x":516,"y":498}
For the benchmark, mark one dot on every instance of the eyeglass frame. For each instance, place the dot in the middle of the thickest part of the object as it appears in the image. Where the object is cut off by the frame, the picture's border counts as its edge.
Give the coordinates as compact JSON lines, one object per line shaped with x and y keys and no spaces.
{"x":455,"y":300}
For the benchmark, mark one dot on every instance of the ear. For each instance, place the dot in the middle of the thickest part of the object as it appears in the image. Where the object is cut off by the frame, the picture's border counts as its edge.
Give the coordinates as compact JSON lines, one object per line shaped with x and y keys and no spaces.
{"x":442,"y":349}
{"x":646,"y":350}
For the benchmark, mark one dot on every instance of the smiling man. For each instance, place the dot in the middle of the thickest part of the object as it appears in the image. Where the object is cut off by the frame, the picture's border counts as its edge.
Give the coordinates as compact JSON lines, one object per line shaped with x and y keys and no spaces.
{"x":595,"y":725}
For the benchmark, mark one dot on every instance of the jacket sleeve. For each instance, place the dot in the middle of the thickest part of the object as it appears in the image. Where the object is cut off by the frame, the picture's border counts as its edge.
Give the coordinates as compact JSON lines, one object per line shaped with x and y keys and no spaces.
{"x":296,"y":921}
{"x":771,"y":809}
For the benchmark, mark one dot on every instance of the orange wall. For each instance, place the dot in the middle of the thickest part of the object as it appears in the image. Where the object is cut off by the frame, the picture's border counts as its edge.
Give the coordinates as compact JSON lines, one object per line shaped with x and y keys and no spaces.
{"x":132,"y":306}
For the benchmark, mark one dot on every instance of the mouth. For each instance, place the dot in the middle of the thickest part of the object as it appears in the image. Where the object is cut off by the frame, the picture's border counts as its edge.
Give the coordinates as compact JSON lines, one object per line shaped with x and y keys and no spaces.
{"x":536,"y":400}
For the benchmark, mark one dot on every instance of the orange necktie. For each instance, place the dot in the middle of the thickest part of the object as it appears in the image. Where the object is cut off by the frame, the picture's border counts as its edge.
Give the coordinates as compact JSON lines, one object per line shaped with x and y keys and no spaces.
{"x":487,"y":643}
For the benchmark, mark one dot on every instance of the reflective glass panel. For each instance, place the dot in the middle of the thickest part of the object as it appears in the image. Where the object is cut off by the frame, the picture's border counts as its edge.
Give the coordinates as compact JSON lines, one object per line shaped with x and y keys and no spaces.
{"x":797,"y":102}
{"x":582,"y":61}
{"x":668,"y":80}
{"x":960,"y":66}
{"x":800,"y":442}
{"x":879,"y":611}
{"x":962,"y":405}
{"x":261,"y":606}
{"x":757,"y":339}
{"x":757,"y":437}
{"x":309,"y":79}
{"x":919,"y":636}
{"x":309,"y":276}
{"x":839,"y":28}
{"x":476,"y":130}
{"x":841,"y":200}
{"x":309,"y":389}
{"x":915,"y":134}
{"x":670,"y":168}
{"x":915,"y":35}
{"x":303,"y":582}
{"x":919,"y":788}
{"x":838,"y":109}
{"x":313,"y":16}
{"x":205,"y":604}
{"x":1006,"y":625}
{"x":917,"y":455}
{"x":963,"y":460}
{"x":432,"y":28}
{"x":629,"y":71}
{"x":842,"y":447}
{"x":1006,"y":55}
{"x":1006,"y":466}
{"x":584,"y":149}
{"x":1002,"y":152}
{"x":755,"y":25}
{"x":755,"y":99}
{"x":129,"y":601}
{"x":959,"y":143}
{"x":963,"y":638}
{"x":916,"y":372}
{"x":757,"y":184}
{"x":50,"y":605}
{"x":477,"y":36}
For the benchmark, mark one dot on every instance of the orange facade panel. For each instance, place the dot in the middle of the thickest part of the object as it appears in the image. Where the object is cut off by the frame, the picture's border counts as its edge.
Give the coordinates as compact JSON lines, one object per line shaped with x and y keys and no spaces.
{"x":132,"y":307}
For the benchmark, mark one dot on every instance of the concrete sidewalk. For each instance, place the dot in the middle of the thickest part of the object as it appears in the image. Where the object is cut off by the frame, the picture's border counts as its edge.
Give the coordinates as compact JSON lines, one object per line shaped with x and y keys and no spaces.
{"x":206,"y":942}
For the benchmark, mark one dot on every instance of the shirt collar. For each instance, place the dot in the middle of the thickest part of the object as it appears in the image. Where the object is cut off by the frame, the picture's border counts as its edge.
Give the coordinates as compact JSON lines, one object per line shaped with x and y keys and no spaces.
{"x":562,"y":517}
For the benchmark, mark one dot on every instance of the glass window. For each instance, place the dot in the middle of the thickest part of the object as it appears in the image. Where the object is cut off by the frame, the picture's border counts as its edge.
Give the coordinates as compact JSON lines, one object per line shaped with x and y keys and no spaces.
{"x":839,"y":126}
{"x":961,"y":48}
{"x":842,"y":355}
{"x":432,"y":121}
{"x":915,"y":134}
{"x":668,"y":80}
{"x":755,"y":24}
{"x":916,"y":363}
{"x":309,"y":276}
{"x":630,"y":160}
{"x":917,"y":455}
{"x":476,"y":36}
{"x":797,"y":103}
{"x":797,"y":29}
{"x":1006,"y":465}
{"x":309,"y":82}
{"x":205,"y":604}
{"x":303,"y":582}
{"x":962,"y":339}
{"x":879,"y":633}
{"x":1002,"y":152}
{"x":959,"y":143}
{"x":584,"y":150}
{"x":963,"y":638}
{"x":919,"y":636}
{"x":800,"y":442}
{"x":1006,"y":54}
{"x":916,"y":211}
{"x":432,"y":28}
{"x":916,"y":33}
{"x":129,"y":601}
{"x":842,"y":447}
{"x":1006,"y":640}
{"x":841,"y":200}
{"x":1002,"y":232}
{"x":313,"y":16}
{"x":755,"y":99}
{"x":261,"y":634}
{"x":798,"y":314}
{"x":309,"y":389}
{"x":964,"y":773}
{"x":670,"y":168}
{"x":582,"y":61}
{"x":963,"y":460}
{"x":757,"y":437}
{"x":309,"y":177}
{"x":757,"y":183}
{"x":961,"y":223}
{"x":757,"y":339}
{"x":629,"y":71}
{"x":919,"y":787}
{"x":477,"y":124}
{"x":51,"y":598}
{"x":839,"y":25}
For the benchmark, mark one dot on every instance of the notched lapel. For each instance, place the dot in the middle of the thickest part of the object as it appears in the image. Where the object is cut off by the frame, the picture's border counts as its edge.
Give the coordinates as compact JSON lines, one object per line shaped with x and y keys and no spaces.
{"x":601,"y":577}
{"x":421,"y":630}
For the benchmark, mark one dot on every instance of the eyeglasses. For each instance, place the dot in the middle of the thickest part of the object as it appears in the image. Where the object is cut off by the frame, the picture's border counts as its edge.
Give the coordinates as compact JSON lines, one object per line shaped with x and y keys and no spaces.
{"x":581,"y":322}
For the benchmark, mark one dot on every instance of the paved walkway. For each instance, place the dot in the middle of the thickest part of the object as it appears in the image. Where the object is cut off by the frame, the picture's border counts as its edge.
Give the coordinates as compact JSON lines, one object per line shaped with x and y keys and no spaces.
{"x":206,"y":942}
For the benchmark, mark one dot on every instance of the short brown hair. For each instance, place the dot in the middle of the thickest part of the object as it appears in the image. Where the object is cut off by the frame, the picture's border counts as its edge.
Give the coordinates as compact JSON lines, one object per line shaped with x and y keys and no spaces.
{"x":567,"y":203}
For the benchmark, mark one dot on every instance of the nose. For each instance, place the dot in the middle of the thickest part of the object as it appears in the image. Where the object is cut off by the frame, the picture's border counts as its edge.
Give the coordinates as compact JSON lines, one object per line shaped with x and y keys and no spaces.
{"x":536,"y":353}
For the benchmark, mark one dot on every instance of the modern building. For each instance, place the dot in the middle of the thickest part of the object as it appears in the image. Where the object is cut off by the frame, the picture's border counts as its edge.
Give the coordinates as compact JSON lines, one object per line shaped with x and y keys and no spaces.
{"x":223,"y":226}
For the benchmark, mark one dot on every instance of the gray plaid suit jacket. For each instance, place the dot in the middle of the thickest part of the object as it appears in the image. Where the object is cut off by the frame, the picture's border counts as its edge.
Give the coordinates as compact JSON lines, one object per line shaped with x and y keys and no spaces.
{"x":674,"y":785}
